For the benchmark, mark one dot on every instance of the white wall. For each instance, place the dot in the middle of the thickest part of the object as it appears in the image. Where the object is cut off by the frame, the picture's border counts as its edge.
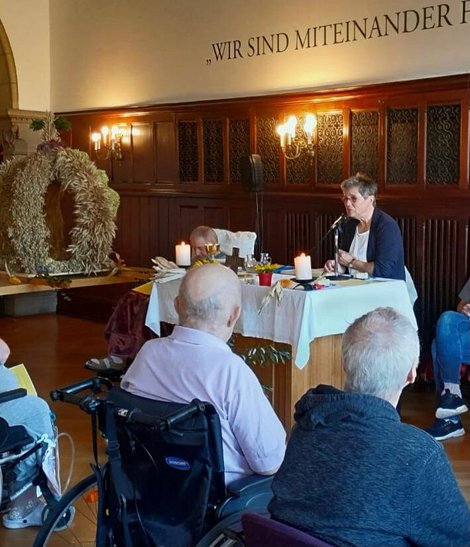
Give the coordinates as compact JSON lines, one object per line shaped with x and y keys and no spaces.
{"x":122,"y":52}
{"x":26,"y":23}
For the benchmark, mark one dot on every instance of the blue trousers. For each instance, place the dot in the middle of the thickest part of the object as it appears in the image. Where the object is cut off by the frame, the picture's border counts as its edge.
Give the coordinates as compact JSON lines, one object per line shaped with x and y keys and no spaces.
{"x":450,"y":348}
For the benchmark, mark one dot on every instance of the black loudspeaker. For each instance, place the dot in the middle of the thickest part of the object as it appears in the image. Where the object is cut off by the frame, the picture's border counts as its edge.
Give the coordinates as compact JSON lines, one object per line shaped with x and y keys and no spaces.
{"x":251,"y":170}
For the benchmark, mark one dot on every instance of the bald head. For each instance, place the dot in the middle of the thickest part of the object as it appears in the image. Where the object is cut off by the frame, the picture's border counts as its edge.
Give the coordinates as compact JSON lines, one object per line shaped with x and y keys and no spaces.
{"x":198,"y":239}
{"x":209,"y":299}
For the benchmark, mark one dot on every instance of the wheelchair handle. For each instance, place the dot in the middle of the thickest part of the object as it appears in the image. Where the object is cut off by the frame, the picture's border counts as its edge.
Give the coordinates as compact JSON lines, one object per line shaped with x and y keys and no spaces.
{"x":68,"y":394}
{"x":12,"y":394}
{"x":161,"y":422}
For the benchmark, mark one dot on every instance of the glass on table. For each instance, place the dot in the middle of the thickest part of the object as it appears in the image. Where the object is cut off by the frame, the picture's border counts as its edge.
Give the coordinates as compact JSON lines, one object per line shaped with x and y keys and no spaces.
{"x":250,"y":263}
{"x":265,"y":259}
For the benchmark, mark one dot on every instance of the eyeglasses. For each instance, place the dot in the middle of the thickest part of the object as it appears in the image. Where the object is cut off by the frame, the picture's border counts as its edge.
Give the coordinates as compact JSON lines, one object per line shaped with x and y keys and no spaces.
{"x":352,"y":199}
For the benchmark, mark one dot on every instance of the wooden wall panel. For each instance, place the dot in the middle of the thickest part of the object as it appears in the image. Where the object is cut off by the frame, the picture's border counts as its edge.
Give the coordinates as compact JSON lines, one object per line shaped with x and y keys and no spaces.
{"x":144,"y":159}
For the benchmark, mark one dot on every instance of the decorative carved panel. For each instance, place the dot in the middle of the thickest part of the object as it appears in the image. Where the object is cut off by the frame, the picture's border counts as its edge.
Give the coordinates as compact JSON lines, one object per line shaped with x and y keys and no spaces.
{"x":330,"y":148}
{"x":239,"y":146}
{"x":365,"y":143}
{"x":187,"y":148}
{"x":300,"y":170}
{"x":213,"y":139}
{"x":443,"y":144}
{"x":267,"y":145}
{"x":402,"y":145}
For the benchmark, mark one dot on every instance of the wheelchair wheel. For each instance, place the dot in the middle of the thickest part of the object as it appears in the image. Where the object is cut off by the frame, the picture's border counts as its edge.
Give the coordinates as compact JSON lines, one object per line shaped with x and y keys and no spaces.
{"x":73,"y":520}
{"x":226,"y":533}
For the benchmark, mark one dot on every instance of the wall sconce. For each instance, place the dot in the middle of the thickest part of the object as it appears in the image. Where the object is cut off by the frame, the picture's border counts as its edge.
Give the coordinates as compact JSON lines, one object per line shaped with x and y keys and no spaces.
{"x":292,"y":144}
{"x":107,"y":142}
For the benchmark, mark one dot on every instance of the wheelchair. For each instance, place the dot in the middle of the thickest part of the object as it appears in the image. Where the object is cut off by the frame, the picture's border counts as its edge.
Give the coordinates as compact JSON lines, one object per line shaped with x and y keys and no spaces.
{"x":15,"y":446}
{"x":162,"y":483}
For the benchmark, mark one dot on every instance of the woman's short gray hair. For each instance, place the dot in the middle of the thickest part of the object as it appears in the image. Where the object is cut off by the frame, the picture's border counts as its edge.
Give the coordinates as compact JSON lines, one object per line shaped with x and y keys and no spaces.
{"x":379,"y":349}
{"x":365,"y":185}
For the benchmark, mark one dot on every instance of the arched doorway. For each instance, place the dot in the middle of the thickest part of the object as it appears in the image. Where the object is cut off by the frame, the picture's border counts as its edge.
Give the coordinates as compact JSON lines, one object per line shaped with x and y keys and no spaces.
{"x":8,"y":94}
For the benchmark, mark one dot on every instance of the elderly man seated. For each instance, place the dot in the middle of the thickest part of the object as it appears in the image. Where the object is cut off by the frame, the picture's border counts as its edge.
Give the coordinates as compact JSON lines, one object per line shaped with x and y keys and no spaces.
{"x":125,"y":330}
{"x":196,"y":362}
{"x":354,"y":475}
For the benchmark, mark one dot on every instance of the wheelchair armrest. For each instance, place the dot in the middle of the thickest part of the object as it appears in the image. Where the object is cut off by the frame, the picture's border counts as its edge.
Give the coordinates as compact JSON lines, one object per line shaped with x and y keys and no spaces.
{"x":12,"y":394}
{"x":244,"y":486}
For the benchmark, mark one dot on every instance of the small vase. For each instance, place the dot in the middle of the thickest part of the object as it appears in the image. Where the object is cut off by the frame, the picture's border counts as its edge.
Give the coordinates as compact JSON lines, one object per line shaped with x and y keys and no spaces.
{"x":265,"y":279}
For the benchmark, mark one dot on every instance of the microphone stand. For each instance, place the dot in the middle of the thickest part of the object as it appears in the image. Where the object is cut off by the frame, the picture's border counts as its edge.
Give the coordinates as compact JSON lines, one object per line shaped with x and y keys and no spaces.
{"x":337,"y":276}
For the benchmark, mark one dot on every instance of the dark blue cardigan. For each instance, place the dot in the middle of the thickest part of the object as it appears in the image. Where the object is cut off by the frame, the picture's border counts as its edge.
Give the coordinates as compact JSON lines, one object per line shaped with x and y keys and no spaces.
{"x":385,"y":247}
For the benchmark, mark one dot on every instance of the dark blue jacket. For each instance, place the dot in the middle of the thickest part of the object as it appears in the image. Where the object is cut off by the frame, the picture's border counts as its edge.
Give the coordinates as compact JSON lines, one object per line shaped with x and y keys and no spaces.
{"x":354,"y":475}
{"x":385,"y":247}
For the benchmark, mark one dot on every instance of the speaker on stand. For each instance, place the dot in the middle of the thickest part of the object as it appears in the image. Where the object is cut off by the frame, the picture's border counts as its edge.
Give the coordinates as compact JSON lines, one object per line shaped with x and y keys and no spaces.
{"x":252,"y":179}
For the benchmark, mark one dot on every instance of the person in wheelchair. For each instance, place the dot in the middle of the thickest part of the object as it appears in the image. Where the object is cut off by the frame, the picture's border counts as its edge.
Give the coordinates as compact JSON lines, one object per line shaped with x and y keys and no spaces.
{"x":195,"y":362}
{"x":33,"y":413}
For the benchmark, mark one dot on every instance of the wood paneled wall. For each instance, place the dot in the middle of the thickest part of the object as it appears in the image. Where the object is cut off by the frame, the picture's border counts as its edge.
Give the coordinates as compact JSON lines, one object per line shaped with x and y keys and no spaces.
{"x":181,"y":168}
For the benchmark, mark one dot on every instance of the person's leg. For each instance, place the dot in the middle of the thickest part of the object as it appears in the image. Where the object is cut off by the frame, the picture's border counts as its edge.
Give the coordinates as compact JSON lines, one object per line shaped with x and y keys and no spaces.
{"x":451,"y":348}
{"x":125,"y":333}
{"x":33,"y":413}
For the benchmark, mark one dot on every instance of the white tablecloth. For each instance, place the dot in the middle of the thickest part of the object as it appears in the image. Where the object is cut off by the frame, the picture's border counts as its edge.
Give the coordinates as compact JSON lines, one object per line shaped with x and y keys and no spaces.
{"x":301,"y":316}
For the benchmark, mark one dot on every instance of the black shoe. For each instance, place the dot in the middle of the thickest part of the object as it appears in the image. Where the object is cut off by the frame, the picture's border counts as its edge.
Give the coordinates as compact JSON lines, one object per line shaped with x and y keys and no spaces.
{"x":446,"y":429}
{"x":450,"y":405}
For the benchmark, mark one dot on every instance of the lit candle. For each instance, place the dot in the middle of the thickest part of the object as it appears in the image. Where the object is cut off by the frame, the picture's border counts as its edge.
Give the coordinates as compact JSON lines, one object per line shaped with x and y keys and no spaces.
{"x":303,"y":267}
{"x":96,"y":139}
{"x":105,"y":133}
{"x":183,"y":254}
{"x":114,"y":134}
{"x":281,"y":130}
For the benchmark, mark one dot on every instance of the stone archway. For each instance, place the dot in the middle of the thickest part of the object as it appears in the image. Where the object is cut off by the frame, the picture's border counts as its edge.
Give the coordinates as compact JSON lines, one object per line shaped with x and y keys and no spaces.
{"x":8,"y":76}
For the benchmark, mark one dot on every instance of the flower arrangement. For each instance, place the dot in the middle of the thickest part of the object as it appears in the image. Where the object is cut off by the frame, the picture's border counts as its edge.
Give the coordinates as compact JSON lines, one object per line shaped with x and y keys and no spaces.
{"x":266,"y":268}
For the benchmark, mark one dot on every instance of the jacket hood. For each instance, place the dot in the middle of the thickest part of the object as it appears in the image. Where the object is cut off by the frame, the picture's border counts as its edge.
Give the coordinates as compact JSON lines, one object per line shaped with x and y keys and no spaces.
{"x":327,"y":406}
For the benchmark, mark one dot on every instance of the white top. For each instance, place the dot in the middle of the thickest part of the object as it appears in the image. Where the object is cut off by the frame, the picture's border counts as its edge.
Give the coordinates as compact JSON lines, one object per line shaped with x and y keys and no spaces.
{"x":191,"y":364}
{"x":301,"y":316}
{"x":358,"y":248}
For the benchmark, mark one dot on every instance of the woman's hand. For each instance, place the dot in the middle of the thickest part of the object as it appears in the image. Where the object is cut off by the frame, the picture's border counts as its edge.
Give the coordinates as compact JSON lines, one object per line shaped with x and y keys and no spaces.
{"x":345,"y":258}
{"x":464,"y":307}
{"x":329,"y":266}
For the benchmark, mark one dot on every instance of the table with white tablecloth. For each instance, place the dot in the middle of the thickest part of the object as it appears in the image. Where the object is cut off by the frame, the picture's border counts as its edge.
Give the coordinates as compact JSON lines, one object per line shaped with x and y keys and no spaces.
{"x":310,"y":321}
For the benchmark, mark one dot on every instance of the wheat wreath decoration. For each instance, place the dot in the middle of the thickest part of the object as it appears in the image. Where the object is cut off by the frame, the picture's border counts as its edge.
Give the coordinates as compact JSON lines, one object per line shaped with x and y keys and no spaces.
{"x":29,"y":217}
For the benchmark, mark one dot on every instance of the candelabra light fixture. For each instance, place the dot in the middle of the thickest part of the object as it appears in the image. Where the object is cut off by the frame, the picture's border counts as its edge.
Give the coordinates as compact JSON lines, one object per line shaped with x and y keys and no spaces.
{"x":108,"y":142}
{"x":293,"y":142}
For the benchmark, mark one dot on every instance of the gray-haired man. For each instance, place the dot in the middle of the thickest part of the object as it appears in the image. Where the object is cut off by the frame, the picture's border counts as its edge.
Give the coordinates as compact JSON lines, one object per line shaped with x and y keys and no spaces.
{"x":353,"y":474}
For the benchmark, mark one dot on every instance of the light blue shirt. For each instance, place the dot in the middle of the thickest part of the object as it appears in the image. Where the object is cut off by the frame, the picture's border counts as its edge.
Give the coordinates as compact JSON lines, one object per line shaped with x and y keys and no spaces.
{"x":194,"y":364}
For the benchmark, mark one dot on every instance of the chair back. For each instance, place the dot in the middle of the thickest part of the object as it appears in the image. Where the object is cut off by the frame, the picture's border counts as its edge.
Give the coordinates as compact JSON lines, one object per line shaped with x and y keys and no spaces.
{"x":410,"y":287}
{"x":161,"y":481}
{"x":262,"y":530}
{"x":245,"y":241}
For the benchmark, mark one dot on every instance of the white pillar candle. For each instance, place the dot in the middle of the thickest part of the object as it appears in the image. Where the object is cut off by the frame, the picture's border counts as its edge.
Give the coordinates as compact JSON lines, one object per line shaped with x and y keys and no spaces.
{"x":303,"y":267}
{"x":183,"y":254}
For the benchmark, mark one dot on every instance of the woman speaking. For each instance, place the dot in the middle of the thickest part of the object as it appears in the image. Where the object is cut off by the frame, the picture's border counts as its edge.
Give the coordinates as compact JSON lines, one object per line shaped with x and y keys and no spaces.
{"x":371,"y":240}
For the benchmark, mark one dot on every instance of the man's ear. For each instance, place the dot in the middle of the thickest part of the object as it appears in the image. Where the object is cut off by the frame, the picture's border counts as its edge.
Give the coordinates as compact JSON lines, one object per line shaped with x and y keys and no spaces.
{"x":176,"y":303}
{"x":411,"y":376}
{"x":234,"y":316}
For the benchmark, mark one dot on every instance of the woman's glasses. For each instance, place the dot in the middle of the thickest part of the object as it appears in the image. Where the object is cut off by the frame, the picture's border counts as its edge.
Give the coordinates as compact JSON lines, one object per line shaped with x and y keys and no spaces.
{"x":352,"y":199}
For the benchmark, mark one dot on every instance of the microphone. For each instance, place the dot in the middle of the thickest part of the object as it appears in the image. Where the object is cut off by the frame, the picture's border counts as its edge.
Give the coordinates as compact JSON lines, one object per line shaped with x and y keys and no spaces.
{"x":340,"y":220}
